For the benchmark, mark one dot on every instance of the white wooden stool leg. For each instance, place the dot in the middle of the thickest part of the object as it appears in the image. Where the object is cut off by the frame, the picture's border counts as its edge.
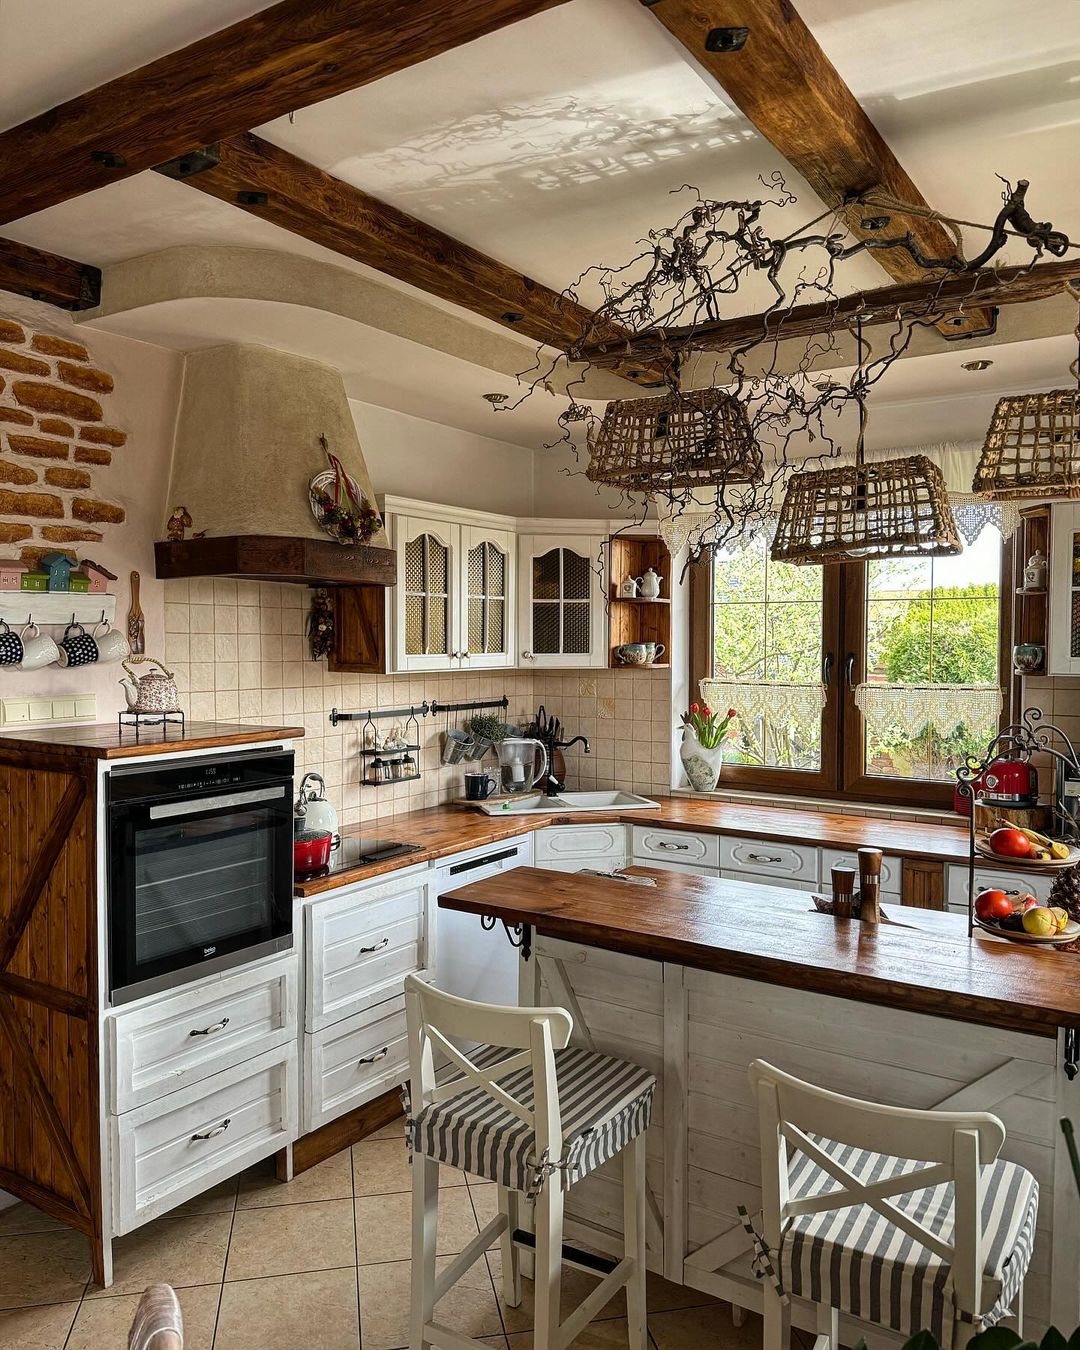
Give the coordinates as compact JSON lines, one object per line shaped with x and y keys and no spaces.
{"x":511,"y":1255}
{"x":1020,"y":1312}
{"x":777,"y":1320}
{"x":828,"y":1327}
{"x":738,"y":1314}
{"x":633,"y":1171}
{"x":425,"y":1222}
{"x":548,"y":1213}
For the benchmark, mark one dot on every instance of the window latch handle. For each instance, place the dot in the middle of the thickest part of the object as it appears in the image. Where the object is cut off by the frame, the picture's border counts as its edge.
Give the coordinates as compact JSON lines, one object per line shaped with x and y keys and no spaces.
{"x":826,"y":669}
{"x":849,"y":671}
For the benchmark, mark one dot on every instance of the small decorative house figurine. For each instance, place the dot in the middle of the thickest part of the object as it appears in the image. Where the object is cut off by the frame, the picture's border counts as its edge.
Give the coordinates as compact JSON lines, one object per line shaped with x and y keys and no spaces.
{"x":35,"y":581}
{"x":58,"y":568}
{"x":99,"y":576}
{"x":78,"y":581}
{"x":11,"y":574}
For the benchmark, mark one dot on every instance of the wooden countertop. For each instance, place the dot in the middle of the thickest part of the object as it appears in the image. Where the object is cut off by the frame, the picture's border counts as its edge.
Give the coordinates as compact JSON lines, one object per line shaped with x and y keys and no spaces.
{"x":442,"y":830}
{"x":928,"y":965}
{"x":103,"y":740}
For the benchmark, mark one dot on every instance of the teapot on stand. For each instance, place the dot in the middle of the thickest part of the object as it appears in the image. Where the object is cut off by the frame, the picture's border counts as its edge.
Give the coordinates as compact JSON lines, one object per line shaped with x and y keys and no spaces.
{"x":154,"y":692}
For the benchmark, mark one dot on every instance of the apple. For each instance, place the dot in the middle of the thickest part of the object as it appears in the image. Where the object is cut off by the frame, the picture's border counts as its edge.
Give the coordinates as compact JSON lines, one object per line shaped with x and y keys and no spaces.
{"x":1061,"y":918}
{"x":1040,"y":922}
{"x":1010,"y":843}
{"x":992,"y":906}
{"x":1026,"y":902}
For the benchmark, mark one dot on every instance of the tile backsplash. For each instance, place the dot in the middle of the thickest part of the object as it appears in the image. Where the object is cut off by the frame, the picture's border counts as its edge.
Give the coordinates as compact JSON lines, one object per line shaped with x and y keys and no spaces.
{"x":240,"y":653}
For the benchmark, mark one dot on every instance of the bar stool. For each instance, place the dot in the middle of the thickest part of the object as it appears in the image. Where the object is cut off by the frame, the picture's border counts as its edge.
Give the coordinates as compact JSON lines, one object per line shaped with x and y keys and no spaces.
{"x":904,"y":1218}
{"x":534,"y":1116}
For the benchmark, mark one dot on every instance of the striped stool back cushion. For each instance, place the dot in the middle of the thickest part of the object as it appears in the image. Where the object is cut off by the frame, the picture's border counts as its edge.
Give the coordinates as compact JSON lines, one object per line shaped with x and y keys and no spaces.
{"x":604,"y":1103}
{"x":857,"y":1261}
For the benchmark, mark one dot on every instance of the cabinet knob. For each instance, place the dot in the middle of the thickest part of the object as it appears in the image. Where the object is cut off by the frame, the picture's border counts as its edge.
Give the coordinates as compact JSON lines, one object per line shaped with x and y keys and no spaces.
{"x":526,"y":656}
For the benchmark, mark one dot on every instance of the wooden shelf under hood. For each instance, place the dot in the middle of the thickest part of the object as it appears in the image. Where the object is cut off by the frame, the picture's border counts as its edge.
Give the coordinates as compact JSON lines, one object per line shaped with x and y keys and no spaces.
{"x":268,"y":557}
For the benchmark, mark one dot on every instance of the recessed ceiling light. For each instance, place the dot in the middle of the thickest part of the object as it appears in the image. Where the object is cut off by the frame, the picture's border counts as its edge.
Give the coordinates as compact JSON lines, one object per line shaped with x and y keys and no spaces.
{"x":496,"y":399}
{"x":977,"y":365}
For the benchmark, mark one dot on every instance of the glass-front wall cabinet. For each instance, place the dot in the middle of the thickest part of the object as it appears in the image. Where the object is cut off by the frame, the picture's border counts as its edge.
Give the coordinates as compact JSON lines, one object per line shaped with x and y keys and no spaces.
{"x":562,"y":602}
{"x":1063,"y":657}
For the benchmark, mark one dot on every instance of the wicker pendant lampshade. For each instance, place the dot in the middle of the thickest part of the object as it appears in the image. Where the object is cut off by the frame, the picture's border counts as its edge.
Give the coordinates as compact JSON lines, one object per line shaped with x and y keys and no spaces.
{"x":684,"y":440}
{"x":1032,"y":447}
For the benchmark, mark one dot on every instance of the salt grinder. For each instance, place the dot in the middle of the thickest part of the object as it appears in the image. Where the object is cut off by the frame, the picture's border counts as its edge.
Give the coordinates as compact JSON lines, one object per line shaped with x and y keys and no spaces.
{"x":870,"y":884}
{"x":843,"y":892}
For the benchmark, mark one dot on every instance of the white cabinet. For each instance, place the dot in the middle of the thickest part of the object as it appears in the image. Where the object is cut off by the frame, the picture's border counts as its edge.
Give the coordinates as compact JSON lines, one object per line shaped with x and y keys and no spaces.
{"x":770,"y":862}
{"x":991,"y":878}
{"x":681,"y":847}
{"x":349,"y":1063}
{"x":892,"y":870}
{"x":1063,"y":656}
{"x":453,"y":605}
{"x":569,"y":848}
{"x":561,"y":614}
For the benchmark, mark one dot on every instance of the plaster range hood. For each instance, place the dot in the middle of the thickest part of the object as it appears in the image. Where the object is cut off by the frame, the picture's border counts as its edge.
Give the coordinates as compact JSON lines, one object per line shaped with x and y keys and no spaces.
{"x":246,"y":448}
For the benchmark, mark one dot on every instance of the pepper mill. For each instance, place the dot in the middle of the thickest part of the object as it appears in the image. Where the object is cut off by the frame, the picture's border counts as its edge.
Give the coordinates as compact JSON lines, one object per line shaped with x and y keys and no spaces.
{"x":843,"y":892}
{"x":870,"y":885}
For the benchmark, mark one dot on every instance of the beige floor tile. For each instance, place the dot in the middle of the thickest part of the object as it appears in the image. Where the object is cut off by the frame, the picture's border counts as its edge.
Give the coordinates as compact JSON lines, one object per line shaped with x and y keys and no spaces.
{"x":576,"y":1286}
{"x":381,"y":1167}
{"x":692,"y":1328}
{"x":180,"y":1252}
{"x":220,"y":1199}
{"x":469,"y":1307}
{"x":316,"y":1309}
{"x":329,"y":1180}
{"x":384,"y":1225}
{"x":285,"y":1239}
{"x":41,"y":1328}
{"x":610,"y":1335}
{"x":24,"y":1218}
{"x":395,"y":1130}
{"x":43,"y":1268}
{"x":103,"y":1323}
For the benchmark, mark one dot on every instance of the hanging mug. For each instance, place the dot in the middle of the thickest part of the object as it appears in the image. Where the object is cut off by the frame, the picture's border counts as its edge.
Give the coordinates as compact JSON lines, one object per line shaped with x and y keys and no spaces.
{"x":38,"y":649}
{"x":112,"y":645}
{"x":11,"y":648}
{"x":77,"y":647}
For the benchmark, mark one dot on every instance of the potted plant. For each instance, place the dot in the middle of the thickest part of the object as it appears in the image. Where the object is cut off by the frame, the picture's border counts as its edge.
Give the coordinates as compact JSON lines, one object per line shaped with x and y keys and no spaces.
{"x":702,"y":749}
{"x":484,"y":732}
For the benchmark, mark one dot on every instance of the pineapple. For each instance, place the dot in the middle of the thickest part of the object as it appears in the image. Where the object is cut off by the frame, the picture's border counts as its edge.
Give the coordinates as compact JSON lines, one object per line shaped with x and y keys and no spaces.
{"x":1065,"y":891}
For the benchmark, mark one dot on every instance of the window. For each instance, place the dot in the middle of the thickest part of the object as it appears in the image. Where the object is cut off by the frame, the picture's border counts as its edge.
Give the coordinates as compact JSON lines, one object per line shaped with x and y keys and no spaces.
{"x":787,"y":646}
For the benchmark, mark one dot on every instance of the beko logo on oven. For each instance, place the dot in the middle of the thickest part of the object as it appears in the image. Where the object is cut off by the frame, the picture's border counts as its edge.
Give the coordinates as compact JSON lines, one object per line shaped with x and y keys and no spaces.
{"x":208,"y":951}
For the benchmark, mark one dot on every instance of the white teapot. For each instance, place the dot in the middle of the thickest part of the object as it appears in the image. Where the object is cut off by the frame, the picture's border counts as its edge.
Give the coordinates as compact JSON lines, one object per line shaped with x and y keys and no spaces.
{"x":650,"y":585}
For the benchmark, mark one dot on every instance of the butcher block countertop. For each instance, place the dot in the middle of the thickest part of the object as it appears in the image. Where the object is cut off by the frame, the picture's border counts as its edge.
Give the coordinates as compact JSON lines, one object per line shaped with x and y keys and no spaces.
{"x":104,"y":740}
{"x":925,"y":962}
{"x":442,"y":830}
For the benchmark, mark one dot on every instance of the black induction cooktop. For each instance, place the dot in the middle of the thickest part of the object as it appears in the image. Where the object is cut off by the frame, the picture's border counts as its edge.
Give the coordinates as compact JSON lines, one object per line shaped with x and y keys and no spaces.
{"x":355,"y":851}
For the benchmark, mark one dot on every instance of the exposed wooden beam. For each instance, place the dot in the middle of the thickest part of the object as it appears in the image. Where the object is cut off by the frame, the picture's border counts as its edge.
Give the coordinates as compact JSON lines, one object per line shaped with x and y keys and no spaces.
{"x":293,"y":54}
{"x":987,"y":289}
{"x":47,"y":276}
{"x":793,"y":94}
{"x":261,"y":178}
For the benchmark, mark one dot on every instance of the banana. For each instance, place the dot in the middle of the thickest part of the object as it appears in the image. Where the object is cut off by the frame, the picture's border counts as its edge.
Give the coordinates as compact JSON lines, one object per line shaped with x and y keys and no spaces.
{"x":1041,"y":841}
{"x":1059,"y":850}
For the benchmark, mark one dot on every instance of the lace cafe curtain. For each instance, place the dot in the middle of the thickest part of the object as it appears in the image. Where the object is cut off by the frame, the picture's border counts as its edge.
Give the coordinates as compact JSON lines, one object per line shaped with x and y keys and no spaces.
{"x":797,"y":706}
{"x":940,"y":708}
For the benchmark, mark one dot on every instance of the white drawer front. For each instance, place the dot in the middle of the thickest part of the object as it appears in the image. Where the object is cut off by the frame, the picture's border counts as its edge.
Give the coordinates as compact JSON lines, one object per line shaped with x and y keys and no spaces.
{"x":986,"y":878}
{"x":175,"y":1148}
{"x":348,"y":1064}
{"x":767,"y":858}
{"x":891,"y":870}
{"x":360,"y":948}
{"x":580,"y":843}
{"x":676,"y":846}
{"x":674,"y":865}
{"x":167,"y":1042}
{"x":784,"y":883}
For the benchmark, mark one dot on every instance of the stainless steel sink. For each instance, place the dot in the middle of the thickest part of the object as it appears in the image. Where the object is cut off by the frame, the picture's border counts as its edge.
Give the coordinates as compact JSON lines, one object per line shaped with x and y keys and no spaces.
{"x":569,"y":803}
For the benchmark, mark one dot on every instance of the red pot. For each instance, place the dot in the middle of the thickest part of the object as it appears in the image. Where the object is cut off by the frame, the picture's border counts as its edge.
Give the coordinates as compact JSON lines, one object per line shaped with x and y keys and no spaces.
{"x":311,"y":850}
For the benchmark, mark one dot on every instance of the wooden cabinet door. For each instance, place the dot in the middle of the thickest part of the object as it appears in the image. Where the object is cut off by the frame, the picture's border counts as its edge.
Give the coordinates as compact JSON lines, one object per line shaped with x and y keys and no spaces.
{"x":487,"y":597}
{"x":561,"y":598}
{"x":426,"y":605}
{"x":1063,"y":657}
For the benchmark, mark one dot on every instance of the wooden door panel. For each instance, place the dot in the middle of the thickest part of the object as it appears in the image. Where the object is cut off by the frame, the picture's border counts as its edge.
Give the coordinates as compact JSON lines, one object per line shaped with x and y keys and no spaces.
{"x":49,"y":1143}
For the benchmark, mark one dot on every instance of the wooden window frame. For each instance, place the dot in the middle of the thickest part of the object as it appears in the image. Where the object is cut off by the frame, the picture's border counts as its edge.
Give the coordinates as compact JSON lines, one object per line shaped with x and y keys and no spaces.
{"x":843,"y":637}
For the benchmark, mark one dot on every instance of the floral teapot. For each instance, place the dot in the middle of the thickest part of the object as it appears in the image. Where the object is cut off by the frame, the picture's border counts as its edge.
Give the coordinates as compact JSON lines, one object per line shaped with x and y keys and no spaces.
{"x":155,"y":692}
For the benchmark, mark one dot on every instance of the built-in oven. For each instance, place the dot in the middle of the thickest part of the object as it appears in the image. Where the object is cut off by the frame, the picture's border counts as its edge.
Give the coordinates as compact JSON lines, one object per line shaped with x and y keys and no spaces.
{"x":200,"y":874}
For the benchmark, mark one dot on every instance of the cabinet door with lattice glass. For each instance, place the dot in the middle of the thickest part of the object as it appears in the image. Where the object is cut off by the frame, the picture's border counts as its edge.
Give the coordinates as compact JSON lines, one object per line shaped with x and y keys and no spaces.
{"x":1064,"y":653}
{"x":427,"y":632}
{"x":488,"y":588}
{"x":562,"y":601}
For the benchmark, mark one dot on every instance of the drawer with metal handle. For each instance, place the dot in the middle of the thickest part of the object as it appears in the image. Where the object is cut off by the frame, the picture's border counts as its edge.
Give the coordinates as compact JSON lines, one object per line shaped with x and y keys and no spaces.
{"x":161,"y":1044}
{"x":172,"y":1149}
{"x":353,"y":1061}
{"x":678,"y":846}
{"x":891,"y":869}
{"x":359,"y":950}
{"x":770,"y":858}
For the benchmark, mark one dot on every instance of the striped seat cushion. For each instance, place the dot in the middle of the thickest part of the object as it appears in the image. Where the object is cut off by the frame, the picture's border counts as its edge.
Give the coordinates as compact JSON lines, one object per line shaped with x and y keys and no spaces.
{"x":857,"y":1261}
{"x":604,"y":1103}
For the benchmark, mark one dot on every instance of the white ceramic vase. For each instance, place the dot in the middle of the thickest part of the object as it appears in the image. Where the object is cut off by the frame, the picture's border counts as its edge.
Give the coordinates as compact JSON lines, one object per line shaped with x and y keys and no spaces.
{"x":702,"y":765}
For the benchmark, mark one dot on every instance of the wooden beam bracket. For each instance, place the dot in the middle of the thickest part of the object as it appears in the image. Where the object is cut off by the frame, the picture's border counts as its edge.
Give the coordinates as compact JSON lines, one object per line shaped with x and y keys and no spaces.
{"x":47,"y":276}
{"x":195,"y":161}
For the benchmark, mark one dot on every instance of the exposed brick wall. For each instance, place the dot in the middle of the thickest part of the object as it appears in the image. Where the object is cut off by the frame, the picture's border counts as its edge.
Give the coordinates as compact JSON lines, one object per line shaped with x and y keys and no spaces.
{"x":53,"y":414}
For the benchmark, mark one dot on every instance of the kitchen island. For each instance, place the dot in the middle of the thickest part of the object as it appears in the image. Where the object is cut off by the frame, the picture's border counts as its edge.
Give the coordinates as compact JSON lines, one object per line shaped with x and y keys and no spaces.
{"x":695,"y":977}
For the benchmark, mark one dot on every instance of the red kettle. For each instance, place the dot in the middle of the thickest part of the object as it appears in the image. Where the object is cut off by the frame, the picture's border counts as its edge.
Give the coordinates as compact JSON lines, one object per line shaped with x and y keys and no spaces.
{"x":1006,"y":781}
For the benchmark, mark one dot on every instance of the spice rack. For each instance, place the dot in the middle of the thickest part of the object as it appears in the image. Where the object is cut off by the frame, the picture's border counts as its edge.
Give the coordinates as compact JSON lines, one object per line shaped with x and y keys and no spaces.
{"x":638,"y":619}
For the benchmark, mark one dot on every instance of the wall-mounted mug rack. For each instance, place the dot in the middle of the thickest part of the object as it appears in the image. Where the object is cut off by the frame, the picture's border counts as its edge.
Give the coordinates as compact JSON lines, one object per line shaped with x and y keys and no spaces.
{"x":56,"y":607}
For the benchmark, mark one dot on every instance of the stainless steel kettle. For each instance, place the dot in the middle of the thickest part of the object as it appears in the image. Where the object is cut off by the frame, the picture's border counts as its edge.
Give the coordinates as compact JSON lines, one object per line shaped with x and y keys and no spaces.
{"x":312,"y":810}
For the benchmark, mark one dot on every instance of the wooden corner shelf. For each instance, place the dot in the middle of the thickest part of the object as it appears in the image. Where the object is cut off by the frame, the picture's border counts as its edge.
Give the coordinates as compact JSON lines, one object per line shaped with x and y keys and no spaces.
{"x":638,"y":619}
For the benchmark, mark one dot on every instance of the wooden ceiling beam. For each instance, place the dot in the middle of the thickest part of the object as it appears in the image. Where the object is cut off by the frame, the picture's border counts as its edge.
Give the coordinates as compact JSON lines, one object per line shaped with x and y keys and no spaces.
{"x":293,"y":54}
{"x":275,"y":185}
{"x":982,"y":290}
{"x":47,"y":276}
{"x":782,"y":81}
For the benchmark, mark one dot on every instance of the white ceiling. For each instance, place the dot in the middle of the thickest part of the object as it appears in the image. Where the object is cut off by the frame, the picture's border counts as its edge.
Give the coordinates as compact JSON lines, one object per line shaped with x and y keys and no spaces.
{"x":555,"y":144}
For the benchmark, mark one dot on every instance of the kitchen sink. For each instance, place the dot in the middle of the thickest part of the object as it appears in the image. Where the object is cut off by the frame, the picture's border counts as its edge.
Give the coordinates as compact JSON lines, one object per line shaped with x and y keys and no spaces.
{"x":569,"y":803}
